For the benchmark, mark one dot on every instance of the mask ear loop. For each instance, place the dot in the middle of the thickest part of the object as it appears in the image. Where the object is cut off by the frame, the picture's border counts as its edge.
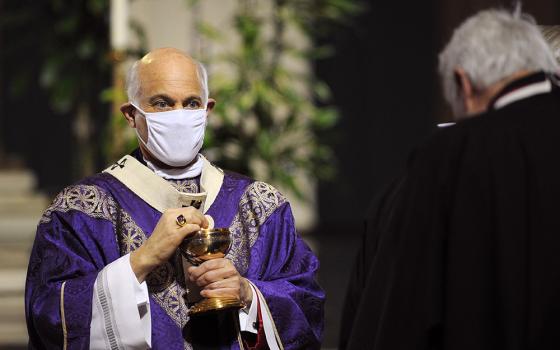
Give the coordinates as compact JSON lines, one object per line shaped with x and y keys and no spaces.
{"x":138,"y":109}
{"x":143,"y":115}
{"x":140,"y":138}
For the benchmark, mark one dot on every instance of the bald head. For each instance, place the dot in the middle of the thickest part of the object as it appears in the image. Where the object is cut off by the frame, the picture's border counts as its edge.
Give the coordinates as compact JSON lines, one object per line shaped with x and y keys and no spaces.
{"x":167,"y":66}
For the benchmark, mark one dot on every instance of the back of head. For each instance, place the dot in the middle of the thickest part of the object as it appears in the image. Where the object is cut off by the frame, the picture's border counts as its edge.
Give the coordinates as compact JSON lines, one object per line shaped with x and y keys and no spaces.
{"x":492,"y":46}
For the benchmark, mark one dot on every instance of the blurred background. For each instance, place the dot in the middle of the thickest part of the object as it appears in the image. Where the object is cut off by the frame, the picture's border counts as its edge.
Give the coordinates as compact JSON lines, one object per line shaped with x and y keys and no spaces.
{"x":322,"y":98}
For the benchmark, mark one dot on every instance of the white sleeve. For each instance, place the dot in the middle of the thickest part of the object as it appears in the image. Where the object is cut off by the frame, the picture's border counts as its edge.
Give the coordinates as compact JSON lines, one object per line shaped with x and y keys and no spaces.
{"x":116,"y":315}
{"x":248,"y":319}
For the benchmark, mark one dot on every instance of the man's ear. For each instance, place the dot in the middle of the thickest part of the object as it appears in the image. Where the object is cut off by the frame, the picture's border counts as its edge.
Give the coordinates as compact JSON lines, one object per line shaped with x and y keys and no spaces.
{"x":463,"y":82}
{"x":210,"y":104}
{"x":128,"y":111}
{"x":464,"y":86}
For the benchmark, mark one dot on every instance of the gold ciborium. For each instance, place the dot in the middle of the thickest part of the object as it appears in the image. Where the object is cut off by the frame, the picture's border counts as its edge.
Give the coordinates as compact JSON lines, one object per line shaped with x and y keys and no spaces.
{"x":203,"y":245}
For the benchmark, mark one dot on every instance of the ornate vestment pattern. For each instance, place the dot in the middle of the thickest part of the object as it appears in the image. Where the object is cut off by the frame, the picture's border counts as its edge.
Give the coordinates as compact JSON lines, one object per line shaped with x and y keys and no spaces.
{"x":257,"y":203}
{"x":88,"y":199}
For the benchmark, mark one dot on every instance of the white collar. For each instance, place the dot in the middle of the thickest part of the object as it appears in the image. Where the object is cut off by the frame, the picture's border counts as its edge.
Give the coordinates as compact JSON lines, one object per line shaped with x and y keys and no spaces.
{"x":541,"y":87}
{"x":190,"y":171}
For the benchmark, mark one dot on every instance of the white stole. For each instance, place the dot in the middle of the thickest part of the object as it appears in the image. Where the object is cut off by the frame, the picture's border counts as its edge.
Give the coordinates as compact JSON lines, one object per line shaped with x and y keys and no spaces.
{"x":159,"y":193}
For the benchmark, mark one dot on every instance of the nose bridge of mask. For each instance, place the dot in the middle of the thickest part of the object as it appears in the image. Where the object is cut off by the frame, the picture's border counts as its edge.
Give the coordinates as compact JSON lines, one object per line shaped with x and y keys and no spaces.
{"x":195,"y":116}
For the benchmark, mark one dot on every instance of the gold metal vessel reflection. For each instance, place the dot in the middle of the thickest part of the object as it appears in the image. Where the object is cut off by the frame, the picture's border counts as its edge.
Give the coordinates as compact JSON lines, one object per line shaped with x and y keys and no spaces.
{"x":203,"y":245}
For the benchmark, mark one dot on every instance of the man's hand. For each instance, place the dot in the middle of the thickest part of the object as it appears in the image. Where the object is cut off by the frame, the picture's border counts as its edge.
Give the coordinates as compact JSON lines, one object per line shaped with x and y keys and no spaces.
{"x":165,"y":239}
{"x":219,"y":278}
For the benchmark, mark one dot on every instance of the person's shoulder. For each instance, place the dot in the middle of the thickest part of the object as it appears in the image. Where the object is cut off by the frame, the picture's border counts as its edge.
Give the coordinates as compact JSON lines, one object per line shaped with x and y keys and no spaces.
{"x":442,"y":144}
{"x":470,"y":141}
{"x":513,"y":120}
{"x":448,"y":148}
{"x":87,"y":196}
{"x":235,"y":177}
{"x":467,"y":131}
{"x":255,"y":190}
{"x":95,"y":184}
{"x":257,"y":199}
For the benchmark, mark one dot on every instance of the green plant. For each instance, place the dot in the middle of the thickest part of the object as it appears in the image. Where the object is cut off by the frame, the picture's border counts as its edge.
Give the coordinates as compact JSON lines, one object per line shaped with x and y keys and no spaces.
{"x":270,"y":105}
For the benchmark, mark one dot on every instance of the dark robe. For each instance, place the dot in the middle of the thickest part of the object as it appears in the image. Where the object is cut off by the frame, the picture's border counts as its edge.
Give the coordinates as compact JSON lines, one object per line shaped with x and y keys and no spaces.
{"x":463,"y":254}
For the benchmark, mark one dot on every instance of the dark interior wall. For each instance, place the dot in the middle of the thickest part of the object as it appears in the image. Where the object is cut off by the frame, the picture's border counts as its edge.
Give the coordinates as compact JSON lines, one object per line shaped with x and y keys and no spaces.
{"x":31,"y":131}
{"x":383,"y":78}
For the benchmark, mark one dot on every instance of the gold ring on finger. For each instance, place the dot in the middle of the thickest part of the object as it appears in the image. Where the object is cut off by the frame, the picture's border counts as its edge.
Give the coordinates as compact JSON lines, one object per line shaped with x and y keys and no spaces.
{"x":181,"y":221}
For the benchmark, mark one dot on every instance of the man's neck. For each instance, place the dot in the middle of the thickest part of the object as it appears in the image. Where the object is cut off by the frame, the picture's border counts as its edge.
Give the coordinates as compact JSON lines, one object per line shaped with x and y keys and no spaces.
{"x":191,"y":170}
{"x":481,"y":102}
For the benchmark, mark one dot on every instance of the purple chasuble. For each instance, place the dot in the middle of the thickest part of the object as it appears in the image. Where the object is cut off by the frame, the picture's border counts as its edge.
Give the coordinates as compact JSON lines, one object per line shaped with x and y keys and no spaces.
{"x":97,"y":220}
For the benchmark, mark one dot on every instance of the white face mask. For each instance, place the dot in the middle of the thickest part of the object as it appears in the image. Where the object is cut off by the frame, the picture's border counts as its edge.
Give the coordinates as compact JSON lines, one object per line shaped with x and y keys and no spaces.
{"x":176,"y":136}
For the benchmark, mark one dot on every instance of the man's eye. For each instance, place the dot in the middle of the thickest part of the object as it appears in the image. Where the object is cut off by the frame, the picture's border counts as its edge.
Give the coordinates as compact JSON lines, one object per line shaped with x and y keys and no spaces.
{"x":194,"y":104}
{"x":161,"y":104}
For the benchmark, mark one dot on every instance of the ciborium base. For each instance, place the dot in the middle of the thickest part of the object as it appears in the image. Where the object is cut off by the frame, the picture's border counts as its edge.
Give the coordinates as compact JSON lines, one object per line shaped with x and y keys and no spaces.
{"x":214,"y":305}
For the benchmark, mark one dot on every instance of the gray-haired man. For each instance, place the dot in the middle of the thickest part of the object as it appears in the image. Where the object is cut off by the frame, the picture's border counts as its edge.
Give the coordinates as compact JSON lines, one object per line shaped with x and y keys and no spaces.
{"x":465,"y":252}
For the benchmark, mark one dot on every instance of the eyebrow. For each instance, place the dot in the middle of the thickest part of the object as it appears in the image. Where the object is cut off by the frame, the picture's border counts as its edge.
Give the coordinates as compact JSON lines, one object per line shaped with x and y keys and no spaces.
{"x":192,"y":97}
{"x":164,"y":97}
{"x":171,"y":100}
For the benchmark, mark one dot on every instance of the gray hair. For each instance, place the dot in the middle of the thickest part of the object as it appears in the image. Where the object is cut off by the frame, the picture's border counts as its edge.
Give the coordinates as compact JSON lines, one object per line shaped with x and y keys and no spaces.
{"x":491,"y":46}
{"x":133,"y":83}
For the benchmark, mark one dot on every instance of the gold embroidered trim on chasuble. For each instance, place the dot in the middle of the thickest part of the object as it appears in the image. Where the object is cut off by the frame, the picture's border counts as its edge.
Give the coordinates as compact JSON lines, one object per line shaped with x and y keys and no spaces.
{"x":185,"y":186}
{"x":87,"y":199}
{"x":257,"y":203}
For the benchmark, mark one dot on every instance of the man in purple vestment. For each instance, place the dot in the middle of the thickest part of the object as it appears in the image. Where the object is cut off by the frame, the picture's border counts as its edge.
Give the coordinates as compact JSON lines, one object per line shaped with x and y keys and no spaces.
{"x":105,"y":272}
